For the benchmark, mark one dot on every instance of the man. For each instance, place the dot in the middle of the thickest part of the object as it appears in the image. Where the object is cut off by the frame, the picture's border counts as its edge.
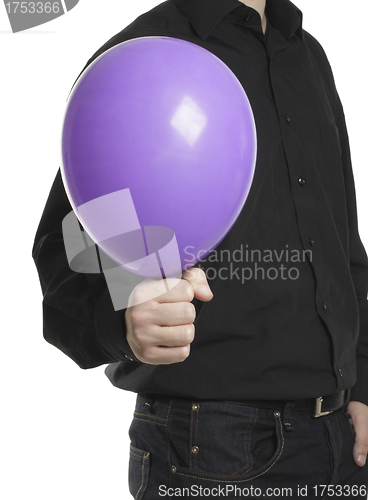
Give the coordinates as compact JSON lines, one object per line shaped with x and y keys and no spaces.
{"x":257,"y":381}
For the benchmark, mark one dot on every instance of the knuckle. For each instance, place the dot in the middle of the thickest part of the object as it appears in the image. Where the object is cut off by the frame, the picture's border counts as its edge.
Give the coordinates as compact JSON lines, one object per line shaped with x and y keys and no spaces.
{"x":364,"y":442}
{"x":188,"y":291}
{"x":140,"y":339}
{"x":139,"y":316}
{"x":189,"y":333}
{"x":137,"y":295}
{"x":198,"y":274}
{"x":142,"y":316}
{"x":189,"y":311}
{"x":146,"y":353}
{"x":180,"y":354}
{"x":143,"y":336}
{"x":135,"y":316}
{"x":143,"y":291}
{"x":201,"y":274}
{"x":151,"y":308}
{"x":184,"y":352}
{"x":138,"y":352}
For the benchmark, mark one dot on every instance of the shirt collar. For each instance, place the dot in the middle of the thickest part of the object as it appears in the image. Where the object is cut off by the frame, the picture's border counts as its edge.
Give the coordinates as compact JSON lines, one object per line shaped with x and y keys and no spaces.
{"x":204,"y":15}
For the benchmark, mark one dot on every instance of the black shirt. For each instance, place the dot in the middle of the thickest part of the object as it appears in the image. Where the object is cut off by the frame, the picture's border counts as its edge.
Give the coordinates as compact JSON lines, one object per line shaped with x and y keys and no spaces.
{"x":289,"y":317}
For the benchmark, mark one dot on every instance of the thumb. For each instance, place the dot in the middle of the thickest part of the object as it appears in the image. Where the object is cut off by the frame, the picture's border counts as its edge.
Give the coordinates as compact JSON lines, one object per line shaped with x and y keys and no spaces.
{"x":359,"y":412}
{"x":197,"y":278}
{"x":360,"y":450}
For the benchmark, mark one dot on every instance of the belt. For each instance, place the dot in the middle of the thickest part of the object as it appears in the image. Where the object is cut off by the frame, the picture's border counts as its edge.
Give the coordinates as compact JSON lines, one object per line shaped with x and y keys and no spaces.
{"x":320,"y":406}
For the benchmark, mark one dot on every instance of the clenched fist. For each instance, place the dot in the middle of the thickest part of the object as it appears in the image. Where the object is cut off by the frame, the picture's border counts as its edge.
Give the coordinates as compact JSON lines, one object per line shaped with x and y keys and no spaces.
{"x":160,"y":330}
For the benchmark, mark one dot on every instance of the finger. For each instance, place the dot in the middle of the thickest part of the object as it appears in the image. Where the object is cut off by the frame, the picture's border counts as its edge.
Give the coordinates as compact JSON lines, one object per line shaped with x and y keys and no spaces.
{"x":152,"y":289}
{"x":177,"y":291}
{"x":166,"y":355}
{"x":173,"y":314}
{"x":174,"y":336}
{"x":197,"y":278}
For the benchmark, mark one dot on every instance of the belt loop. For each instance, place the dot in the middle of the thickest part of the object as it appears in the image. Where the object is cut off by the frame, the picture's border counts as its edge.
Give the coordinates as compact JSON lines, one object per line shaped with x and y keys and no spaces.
{"x":287,"y":415}
{"x":347,"y":397}
{"x":346,"y":400}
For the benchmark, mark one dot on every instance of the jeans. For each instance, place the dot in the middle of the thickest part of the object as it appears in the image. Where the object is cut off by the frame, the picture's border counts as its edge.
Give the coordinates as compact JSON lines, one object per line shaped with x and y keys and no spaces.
{"x":213,"y":449}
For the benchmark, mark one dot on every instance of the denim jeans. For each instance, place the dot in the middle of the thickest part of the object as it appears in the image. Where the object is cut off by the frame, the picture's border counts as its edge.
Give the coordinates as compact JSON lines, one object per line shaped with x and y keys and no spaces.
{"x":213,"y":449}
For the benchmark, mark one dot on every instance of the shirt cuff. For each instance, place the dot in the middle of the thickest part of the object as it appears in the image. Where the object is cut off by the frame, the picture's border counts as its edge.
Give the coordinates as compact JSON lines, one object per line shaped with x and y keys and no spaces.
{"x":111,"y":329}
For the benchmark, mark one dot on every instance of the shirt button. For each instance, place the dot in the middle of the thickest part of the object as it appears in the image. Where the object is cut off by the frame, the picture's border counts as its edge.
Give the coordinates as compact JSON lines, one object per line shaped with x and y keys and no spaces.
{"x":128,"y":358}
{"x":324,"y":306}
{"x":248,"y":18}
{"x":311,"y":241}
{"x":340,"y":372}
{"x":195,"y":449}
{"x":287,"y":119}
{"x":302,"y":181}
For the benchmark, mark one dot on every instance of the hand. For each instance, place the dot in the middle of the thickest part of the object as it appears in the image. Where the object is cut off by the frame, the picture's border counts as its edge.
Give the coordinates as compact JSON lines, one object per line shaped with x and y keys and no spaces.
{"x":359,"y":417}
{"x":160,"y":330}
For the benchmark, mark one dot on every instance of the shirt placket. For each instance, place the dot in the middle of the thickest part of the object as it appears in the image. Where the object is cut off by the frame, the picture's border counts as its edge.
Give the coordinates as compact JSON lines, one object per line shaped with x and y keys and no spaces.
{"x":334,"y":303}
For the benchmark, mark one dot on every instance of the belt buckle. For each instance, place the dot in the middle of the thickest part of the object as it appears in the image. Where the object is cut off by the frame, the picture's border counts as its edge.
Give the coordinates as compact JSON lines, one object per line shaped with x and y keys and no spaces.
{"x":318,"y":407}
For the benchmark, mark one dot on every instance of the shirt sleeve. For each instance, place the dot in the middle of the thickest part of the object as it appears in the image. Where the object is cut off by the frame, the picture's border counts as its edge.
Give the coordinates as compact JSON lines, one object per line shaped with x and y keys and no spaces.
{"x":358,"y":261}
{"x":78,"y":313}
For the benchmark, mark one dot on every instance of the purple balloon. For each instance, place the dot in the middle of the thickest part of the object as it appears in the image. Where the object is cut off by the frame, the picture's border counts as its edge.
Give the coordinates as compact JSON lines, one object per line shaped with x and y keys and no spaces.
{"x":158,"y":153}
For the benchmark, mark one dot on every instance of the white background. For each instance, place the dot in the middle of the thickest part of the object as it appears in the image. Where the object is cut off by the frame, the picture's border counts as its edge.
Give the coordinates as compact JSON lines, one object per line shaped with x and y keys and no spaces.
{"x":64,"y":431}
